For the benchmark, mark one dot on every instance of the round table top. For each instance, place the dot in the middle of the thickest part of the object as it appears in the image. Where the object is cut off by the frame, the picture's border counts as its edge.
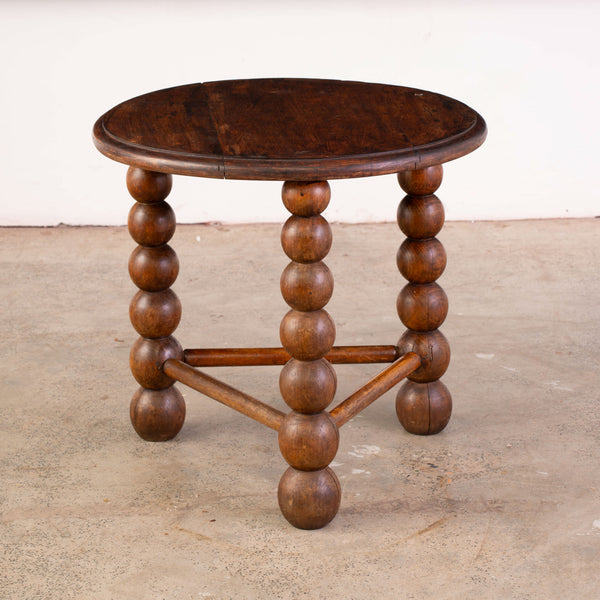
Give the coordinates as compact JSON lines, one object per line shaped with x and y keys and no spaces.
{"x":288,"y":129}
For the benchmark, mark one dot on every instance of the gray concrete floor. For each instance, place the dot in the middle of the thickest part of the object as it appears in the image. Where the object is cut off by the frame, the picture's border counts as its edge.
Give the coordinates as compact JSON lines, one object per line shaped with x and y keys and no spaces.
{"x":505,"y":503}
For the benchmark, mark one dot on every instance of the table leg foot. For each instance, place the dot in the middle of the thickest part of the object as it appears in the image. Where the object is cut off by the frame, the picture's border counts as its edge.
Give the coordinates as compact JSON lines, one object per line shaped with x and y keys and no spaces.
{"x":423,"y":403}
{"x":423,"y":408}
{"x":157,"y":409}
{"x":157,"y":415}
{"x":309,"y":499}
{"x":309,"y":492}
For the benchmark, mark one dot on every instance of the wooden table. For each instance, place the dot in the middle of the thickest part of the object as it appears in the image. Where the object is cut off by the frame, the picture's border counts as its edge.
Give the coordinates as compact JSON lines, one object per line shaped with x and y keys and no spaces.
{"x":302,"y":132}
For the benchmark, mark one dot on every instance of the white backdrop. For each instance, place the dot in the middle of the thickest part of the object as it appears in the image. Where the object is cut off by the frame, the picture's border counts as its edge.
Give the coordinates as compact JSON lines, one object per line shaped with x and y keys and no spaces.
{"x":529,"y":67}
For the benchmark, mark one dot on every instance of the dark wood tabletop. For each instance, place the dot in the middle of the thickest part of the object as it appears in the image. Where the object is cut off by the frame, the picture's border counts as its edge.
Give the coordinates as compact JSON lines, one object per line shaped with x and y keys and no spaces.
{"x":288,"y":129}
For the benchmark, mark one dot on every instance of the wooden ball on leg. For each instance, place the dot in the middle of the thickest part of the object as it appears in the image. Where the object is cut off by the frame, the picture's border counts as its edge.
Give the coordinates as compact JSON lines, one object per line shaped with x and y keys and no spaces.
{"x":157,"y":415}
{"x":309,"y":492}
{"x":424,"y":408}
{"x":157,"y":409}
{"x":309,"y":499}
{"x":423,"y":403}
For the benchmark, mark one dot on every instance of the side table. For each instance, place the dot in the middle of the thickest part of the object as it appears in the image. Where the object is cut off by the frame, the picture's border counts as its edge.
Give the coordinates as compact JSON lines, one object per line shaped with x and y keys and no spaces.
{"x":302,"y":132}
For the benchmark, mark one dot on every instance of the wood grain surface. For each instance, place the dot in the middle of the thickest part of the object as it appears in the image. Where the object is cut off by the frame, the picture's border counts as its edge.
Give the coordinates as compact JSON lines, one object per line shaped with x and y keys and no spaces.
{"x":288,"y":129}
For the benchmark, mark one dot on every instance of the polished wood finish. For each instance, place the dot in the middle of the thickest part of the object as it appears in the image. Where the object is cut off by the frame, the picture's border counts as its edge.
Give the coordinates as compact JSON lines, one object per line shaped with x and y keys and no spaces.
{"x":434,"y":350}
{"x":151,"y":224}
{"x":422,"y":307}
{"x":157,"y":409}
{"x":306,"y":200}
{"x":375,"y":388}
{"x":157,"y":415}
{"x":147,"y":357}
{"x":288,"y":129}
{"x":223,"y":393}
{"x":424,"y":408}
{"x":306,"y":239}
{"x":307,"y":335}
{"x":309,"y":499}
{"x":309,"y":493}
{"x":153,"y":269}
{"x":148,"y":187}
{"x":302,"y":132}
{"x":308,"y":387}
{"x":420,"y":217}
{"x":423,"y":404}
{"x":421,"y":182}
{"x":238,"y":357}
{"x":308,"y":442}
{"x":298,"y":277}
{"x":421,"y":261}
{"x":155,"y":314}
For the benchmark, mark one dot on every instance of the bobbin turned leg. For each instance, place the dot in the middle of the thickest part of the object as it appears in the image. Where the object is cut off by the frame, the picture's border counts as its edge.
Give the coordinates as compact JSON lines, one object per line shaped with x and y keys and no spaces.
{"x":309,"y":492}
{"x":423,"y":403}
{"x":157,"y":409}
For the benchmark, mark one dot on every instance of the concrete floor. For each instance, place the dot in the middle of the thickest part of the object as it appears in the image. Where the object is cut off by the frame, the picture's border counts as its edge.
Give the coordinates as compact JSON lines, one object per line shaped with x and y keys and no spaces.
{"x":505,"y":503}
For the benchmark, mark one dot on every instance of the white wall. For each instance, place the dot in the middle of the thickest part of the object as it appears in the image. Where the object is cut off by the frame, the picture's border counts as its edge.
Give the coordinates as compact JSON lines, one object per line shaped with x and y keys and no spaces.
{"x":529,"y":67}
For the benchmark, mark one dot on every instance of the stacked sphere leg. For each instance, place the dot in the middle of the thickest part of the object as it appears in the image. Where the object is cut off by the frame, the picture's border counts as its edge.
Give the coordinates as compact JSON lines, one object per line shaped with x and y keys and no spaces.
{"x":423,"y":403}
{"x":157,"y":408}
{"x":309,"y":491}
